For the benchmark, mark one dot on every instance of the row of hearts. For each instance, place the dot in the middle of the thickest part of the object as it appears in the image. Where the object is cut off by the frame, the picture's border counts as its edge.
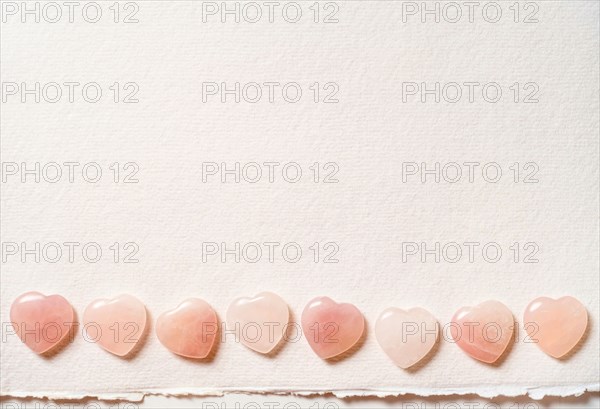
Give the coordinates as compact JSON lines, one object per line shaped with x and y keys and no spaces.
{"x":190,"y":329}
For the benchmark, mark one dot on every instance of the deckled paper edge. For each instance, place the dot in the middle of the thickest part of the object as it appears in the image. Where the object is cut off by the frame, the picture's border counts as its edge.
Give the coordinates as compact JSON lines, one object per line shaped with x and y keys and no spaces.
{"x":533,"y":392}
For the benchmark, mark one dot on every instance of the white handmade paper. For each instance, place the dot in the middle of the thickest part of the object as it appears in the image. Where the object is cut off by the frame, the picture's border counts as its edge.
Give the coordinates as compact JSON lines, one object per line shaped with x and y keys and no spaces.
{"x":364,"y":141}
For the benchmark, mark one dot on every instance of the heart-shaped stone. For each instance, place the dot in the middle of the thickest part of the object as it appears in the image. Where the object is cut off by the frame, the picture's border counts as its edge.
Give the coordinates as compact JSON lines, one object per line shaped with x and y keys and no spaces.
{"x":555,"y":325}
{"x":117,"y":325}
{"x":260,"y":322}
{"x":483,"y":331}
{"x":331,"y":328}
{"x":406,"y":336}
{"x":41,"y":322}
{"x":189,"y":330}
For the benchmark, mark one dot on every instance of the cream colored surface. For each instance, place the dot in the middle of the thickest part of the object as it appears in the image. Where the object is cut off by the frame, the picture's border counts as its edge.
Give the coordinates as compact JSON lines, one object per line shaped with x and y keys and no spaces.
{"x":369,"y":213}
{"x":241,"y":401}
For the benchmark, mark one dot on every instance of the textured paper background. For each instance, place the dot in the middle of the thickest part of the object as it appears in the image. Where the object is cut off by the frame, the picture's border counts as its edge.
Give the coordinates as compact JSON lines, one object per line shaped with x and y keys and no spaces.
{"x":369,"y":53}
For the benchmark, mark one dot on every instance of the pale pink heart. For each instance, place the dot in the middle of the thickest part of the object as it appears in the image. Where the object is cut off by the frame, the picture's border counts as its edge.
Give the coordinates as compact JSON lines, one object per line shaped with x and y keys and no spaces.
{"x":259,"y":322}
{"x":406,"y":336}
{"x":483,"y":331}
{"x":331,"y":328}
{"x":41,"y":321}
{"x":555,"y":325}
{"x":189,"y":330}
{"x":117,"y":325}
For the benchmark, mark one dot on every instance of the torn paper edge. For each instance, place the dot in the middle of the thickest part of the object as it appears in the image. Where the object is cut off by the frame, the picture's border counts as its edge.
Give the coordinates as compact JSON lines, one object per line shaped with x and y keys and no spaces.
{"x":488,"y":391}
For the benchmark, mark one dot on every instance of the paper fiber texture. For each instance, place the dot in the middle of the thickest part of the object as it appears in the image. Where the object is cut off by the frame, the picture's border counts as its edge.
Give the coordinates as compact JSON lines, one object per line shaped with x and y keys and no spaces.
{"x":365,"y":222}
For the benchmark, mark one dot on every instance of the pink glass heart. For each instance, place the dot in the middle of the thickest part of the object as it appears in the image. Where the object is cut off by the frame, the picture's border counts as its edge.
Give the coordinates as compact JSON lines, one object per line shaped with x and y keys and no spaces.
{"x":483,"y":331}
{"x":406,"y":336}
{"x":189,"y":330}
{"x":260,"y":322}
{"x":556,"y":326}
{"x":331,"y":328}
{"x":117,"y":325}
{"x":41,"y":322}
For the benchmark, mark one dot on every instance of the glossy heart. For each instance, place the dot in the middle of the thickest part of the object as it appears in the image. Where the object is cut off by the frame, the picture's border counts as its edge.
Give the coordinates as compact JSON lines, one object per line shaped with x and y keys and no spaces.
{"x":331,"y":328}
{"x":555,"y":325}
{"x":189,"y":330}
{"x":41,"y":321}
{"x":117,"y":325}
{"x":260,"y":322}
{"x":483,"y":331}
{"x":406,"y":336}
